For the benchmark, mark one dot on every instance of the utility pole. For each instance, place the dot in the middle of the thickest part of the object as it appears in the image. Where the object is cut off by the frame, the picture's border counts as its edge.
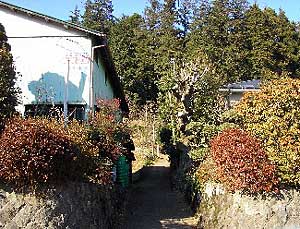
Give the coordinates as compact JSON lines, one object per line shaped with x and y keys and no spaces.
{"x":66,"y":95}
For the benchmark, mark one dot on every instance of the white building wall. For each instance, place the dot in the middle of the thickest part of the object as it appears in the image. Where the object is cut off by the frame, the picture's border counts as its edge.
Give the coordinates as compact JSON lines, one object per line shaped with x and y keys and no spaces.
{"x":234,"y":98}
{"x":102,"y":85}
{"x":43,"y":62}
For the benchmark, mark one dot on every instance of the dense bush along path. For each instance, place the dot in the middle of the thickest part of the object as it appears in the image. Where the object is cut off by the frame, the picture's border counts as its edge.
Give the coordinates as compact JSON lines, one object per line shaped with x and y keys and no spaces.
{"x":152,"y":203}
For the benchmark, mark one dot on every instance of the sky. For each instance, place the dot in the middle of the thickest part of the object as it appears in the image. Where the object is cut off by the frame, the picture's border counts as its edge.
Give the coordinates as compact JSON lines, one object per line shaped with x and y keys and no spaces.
{"x":61,"y":8}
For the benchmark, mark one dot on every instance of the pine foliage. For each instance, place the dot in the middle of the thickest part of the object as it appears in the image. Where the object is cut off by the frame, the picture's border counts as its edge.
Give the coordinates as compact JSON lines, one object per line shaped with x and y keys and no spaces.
{"x":8,"y":91}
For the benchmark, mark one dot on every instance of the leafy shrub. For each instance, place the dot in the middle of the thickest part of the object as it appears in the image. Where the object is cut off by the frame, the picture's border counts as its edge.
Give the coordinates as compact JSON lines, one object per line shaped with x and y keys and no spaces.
{"x":8,"y":92}
{"x":80,"y":135}
{"x":273,"y":116}
{"x":206,"y":171}
{"x":200,"y":133}
{"x":36,"y":151}
{"x":231,"y":116}
{"x":200,"y":136}
{"x":165,"y":136}
{"x":227,"y":125}
{"x":95,"y":167}
{"x":241,"y":162}
{"x":109,"y":132}
{"x":199,"y":154}
{"x":39,"y":150}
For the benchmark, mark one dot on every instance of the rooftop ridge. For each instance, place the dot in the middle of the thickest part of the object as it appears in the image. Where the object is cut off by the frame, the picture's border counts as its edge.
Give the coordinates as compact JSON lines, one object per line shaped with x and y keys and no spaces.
{"x":50,"y":18}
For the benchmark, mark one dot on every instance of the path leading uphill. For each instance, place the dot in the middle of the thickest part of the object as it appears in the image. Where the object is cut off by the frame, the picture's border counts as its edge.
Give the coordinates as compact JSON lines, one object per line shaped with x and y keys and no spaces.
{"x":153,"y":205}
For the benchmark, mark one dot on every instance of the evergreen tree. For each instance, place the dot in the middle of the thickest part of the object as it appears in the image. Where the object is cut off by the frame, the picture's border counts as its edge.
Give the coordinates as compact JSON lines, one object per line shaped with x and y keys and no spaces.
{"x":170,"y":46}
{"x":151,"y":14}
{"x":286,"y":48}
{"x":185,"y":14}
{"x":75,"y":16}
{"x":98,"y":15}
{"x":273,"y":43}
{"x":241,"y":42}
{"x":8,"y":91}
{"x":127,"y":42}
{"x":195,"y":43}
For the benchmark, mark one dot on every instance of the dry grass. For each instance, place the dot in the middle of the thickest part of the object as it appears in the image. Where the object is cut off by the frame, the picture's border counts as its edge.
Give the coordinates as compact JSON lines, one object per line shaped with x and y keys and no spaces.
{"x":144,"y":126}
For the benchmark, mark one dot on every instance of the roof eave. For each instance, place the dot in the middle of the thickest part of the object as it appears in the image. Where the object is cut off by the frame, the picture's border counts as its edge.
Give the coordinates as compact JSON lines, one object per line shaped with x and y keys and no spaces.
{"x":237,"y":90}
{"x":50,"y":19}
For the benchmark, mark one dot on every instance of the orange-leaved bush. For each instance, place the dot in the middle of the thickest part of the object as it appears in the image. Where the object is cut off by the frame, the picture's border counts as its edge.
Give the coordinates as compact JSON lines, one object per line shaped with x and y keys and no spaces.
{"x":241,"y":163}
{"x":34,"y":151}
{"x":273,"y":116}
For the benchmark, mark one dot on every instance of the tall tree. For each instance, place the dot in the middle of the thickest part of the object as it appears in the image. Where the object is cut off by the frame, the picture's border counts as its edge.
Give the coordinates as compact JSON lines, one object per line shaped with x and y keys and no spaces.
{"x":210,"y":32}
{"x":152,"y":12}
{"x":221,"y":36}
{"x":98,"y":15}
{"x":8,"y":91}
{"x":170,"y":46}
{"x":75,"y":16}
{"x":187,"y":11}
{"x":273,"y":42}
{"x":128,"y":42}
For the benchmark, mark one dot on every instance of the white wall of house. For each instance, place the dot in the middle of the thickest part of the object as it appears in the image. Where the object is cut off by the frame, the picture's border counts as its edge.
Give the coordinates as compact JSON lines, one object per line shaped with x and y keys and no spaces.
{"x":44,"y":61}
{"x":234,"y":98}
{"x":102,"y":84}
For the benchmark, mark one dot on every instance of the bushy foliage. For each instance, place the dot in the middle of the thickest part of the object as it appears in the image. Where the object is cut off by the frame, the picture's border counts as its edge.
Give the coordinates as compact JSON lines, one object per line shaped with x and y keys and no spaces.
{"x":231,"y":116}
{"x":200,"y":133}
{"x":190,"y":104}
{"x":36,"y":151}
{"x":273,"y":115}
{"x":241,"y":163}
{"x":109,"y":132}
{"x":8,"y":91}
{"x":206,"y":171}
{"x":96,"y":168}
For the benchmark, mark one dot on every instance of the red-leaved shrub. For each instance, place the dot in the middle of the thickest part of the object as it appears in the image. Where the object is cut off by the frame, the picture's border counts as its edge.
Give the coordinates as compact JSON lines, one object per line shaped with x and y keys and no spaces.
{"x":39,"y":150}
{"x":109,"y":132}
{"x":36,"y":151}
{"x":241,"y":163}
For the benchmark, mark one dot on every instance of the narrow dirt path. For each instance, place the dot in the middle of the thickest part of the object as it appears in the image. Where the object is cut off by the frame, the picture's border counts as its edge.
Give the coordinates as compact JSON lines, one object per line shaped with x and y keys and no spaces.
{"x":152,"y":203}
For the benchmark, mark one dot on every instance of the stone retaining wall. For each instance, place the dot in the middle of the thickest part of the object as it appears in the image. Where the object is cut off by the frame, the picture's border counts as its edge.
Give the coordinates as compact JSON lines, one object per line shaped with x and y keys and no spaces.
{"x":74,"y":205}
{"x":220,"y":209}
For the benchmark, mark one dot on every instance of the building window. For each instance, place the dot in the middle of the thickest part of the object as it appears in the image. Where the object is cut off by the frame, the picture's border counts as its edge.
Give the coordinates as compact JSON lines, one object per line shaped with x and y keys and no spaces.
{"x":46,"y":110}
{"x":75,"y":111}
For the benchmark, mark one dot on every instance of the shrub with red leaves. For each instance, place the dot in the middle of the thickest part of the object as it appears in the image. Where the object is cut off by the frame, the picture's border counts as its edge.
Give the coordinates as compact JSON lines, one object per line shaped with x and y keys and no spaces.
{"x":36,"y":151}
{"x":241,"y":162}
{"x":109,"y":131}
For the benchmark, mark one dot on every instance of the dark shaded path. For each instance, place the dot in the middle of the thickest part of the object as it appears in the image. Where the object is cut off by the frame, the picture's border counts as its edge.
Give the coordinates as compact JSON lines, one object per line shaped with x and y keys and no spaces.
{"x":152,"y":203}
